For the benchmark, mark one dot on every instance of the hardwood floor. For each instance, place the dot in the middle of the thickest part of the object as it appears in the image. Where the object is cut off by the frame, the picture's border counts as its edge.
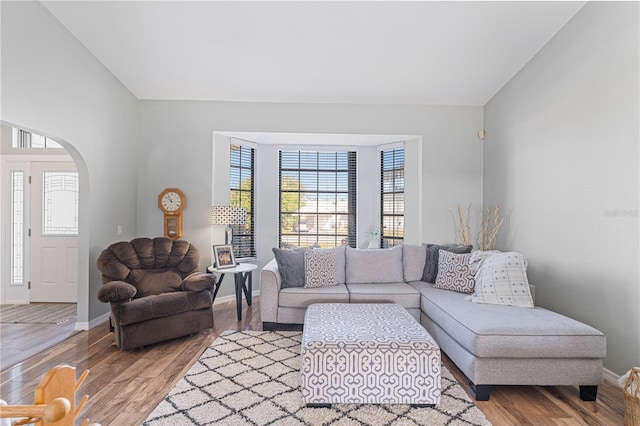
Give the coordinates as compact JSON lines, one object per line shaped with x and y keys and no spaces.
{"x":19,"y":342}
{"x":125,"y":386}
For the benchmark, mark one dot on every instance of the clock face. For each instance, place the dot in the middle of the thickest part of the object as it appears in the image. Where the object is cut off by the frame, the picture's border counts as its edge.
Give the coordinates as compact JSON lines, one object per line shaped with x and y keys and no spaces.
{"x":171,"y":201}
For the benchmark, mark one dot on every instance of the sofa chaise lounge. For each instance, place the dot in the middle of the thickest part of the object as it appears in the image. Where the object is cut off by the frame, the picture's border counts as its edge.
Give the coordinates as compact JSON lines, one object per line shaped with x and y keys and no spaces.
{"x":491,"y":344}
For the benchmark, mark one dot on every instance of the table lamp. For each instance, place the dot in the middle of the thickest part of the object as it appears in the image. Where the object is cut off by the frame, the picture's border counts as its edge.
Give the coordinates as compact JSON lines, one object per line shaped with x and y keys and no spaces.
{"x":228,"y":215}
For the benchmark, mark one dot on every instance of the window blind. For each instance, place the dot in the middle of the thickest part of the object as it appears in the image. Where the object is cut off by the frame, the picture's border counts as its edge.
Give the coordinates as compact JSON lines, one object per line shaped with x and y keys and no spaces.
{"x":242,"y":169}
{"x":391,"y":197}
{"x":317,"y":198}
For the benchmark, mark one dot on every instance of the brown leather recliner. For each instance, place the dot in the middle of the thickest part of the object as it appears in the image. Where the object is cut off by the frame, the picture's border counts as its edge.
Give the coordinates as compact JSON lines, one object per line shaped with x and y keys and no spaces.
{"x":155,"y":290}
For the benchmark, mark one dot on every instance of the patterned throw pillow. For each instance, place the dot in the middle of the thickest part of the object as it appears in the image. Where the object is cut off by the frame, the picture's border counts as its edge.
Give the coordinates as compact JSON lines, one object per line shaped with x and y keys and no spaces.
{"x":320,"y":268}
{"x":431,"y":265}
{"x":503,"y":281}
{"x":475,"y":265}
{"x":454,"y":273}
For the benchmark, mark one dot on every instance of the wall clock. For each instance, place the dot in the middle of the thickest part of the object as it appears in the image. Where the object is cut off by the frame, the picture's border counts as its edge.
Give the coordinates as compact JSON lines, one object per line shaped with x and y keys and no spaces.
{"x":172,"y":202}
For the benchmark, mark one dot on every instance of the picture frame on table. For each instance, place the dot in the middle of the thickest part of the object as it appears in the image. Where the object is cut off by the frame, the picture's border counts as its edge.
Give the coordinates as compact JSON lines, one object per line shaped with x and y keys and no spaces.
{"x":223,"y":256}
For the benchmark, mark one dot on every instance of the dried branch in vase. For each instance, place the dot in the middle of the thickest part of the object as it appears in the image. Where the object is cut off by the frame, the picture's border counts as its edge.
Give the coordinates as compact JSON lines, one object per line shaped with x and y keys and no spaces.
{"x":489,"y":228}
{"x":461,"y":225}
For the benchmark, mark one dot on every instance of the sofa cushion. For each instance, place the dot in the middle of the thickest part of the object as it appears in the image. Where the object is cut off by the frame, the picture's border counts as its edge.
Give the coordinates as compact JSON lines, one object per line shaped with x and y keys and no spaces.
{"x":299,"y":297}
{"x":394,"y":292}
{"x":431,"y":265}
{"x":507,"y":331}
{"x":413,"y":261}
{"x":291,"y":267}
{"x":161,"y":305}
{"x":319,"y":268}
{"x":454,"y":273}
{"x":374,"y":265}
{"x":155,"y":281}
{"x":502,"y":280}
{"x":341,"y":263}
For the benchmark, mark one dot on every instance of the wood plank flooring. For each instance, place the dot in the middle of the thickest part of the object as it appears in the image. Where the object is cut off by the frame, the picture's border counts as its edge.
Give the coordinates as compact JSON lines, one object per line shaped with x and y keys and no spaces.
{"x":125,"y":386}
{"x":15,"y":347}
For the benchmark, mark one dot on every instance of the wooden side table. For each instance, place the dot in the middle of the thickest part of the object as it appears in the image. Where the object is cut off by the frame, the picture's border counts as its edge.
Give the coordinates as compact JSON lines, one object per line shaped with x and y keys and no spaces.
{"x":243,"y":277}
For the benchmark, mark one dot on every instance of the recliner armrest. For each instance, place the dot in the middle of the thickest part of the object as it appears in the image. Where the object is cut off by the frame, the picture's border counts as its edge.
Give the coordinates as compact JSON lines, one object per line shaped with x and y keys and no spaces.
{"x":198,"y":282}
{"x":115,"y":291}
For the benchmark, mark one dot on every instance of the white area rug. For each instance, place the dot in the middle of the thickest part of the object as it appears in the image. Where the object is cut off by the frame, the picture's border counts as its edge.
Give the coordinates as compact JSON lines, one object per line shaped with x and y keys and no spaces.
{"x":253,"y":378}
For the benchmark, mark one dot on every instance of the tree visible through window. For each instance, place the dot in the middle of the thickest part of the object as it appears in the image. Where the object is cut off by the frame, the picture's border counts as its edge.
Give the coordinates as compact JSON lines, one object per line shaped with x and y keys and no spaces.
{"x":392,"y":197}
{"x":317,"y":198}
{"x":241,"y":195}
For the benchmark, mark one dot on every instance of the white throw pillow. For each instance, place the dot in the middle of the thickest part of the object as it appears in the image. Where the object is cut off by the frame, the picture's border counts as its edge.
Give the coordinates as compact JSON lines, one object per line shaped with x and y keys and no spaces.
{"x":475,"y":266}
{"x":504,"y":281}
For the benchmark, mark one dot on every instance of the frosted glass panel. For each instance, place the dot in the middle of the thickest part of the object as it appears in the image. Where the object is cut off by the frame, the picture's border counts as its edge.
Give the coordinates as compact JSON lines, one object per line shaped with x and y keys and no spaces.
{"x":17,"y":227}
{"x":60,"y":203}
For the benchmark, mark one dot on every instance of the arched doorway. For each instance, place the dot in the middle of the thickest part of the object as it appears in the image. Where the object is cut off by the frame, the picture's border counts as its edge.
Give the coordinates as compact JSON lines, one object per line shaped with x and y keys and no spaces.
{"x":43,"y":242}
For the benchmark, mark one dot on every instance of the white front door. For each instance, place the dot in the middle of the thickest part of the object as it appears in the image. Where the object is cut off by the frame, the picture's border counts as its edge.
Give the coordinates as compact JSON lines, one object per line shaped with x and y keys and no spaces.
{"x":54,"y":232}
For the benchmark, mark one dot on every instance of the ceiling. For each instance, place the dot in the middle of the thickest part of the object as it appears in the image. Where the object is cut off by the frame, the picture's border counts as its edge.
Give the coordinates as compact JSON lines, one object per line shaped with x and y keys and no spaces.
{"x":431,"y":53}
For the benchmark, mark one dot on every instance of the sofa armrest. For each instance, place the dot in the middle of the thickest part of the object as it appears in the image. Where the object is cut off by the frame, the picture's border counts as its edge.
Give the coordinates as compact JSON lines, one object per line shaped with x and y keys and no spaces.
{"x":198,"y":281}
{"x":116,"y":291}
{"x":270,"y":282}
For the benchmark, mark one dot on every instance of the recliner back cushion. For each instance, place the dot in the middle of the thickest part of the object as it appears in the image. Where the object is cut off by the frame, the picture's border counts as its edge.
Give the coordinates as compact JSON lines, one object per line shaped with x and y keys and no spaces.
{"x":119,"y":259}
{"x":155,"y":281}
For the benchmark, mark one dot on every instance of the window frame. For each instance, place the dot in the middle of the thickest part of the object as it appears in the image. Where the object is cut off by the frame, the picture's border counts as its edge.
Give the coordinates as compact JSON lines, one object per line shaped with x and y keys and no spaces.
{"x":243,"y":231}
{"x":395,"y":157}
{"x":346,"y":166}
{"x":24,"y":139}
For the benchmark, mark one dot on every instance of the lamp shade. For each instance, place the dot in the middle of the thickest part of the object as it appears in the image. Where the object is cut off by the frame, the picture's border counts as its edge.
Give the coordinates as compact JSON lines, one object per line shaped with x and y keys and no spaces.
{"x":228,"y":215}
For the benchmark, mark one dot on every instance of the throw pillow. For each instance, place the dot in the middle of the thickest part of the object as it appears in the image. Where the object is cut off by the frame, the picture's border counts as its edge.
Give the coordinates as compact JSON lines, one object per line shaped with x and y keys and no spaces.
{"x":291,"y":267}
{"x":504,"y":281}
{"x":374,"y":265}
{"x":320,"y":268}
{"x":475,"y":265}
{"x":454,"y":273}
{"x":431,"y":265}
{"x":413,"y":260}
{"x":154,"y":281}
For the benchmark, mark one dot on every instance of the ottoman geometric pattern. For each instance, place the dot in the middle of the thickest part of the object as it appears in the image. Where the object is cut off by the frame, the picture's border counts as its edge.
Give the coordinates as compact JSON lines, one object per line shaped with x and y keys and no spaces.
{"x":367,"y":354}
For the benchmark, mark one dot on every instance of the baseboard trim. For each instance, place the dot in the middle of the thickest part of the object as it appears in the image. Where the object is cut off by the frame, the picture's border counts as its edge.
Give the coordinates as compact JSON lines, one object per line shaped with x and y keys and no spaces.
{"x":84,"y":326}
{"x":611,"y":377}
{"x":232,"y":297}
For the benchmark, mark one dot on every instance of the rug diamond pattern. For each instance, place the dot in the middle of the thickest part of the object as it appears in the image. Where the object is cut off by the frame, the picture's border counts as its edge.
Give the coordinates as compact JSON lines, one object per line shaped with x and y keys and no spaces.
{"x":253,"y":378}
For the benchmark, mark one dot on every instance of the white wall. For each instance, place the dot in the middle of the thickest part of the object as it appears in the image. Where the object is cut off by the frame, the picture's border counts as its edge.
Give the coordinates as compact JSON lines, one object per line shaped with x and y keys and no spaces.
{"x":53,"y":86}
{"x":561,"y":159}
{"x":176,"y":150}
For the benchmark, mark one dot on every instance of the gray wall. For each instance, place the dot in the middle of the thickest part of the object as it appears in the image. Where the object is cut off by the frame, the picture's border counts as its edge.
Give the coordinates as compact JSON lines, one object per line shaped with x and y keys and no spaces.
{"x":176,"y":149}
{"x":53,"y":86}
{"x":561,"y":159}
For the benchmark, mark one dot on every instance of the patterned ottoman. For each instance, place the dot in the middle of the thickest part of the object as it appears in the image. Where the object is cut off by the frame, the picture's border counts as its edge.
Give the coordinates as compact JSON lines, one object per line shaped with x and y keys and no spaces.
{"x":367,"y":354}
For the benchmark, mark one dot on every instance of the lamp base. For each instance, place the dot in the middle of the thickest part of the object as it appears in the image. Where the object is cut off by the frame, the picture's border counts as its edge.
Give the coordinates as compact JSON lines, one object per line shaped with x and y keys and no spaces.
{"x":228,"y":235}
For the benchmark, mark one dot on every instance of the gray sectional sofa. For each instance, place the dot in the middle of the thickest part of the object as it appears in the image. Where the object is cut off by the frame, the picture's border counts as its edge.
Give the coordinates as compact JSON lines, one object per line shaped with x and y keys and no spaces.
{"x":491,"y":344}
